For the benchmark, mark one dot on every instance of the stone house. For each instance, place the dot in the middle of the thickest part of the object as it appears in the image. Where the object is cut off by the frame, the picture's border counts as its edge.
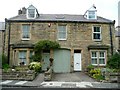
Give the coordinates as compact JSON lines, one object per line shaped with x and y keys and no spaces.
{"x":84,"y":39}
{"x":117,"y":35}
{"x":2,"y":34}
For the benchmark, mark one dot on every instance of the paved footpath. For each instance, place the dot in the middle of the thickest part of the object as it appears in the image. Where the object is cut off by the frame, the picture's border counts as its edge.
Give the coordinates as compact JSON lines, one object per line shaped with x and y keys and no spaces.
{"x":72,"y":80}
{"x":56,"y":84}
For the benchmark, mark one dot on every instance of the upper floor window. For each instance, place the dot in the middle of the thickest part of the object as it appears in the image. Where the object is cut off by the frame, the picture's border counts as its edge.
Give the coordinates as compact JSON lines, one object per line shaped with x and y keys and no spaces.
{"x":31,"y":13}
{"x":91,"y":15}
{"x":62,"y":32}
{"x":25,"y":32}
{"x":98,"y":58}
{"x":97,"y":33}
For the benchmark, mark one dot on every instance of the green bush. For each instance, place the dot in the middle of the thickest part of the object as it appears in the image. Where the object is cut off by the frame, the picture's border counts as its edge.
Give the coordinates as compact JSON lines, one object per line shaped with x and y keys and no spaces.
{"x":95,"y":71}
{"x":90,"y":67}
{"x":4,"y":59}
{"x":5,"y":67}
{"x":36,"y":58}
{"x":96,"y":74}
{"x":35,"y":66}
{"x":114,"y":61}
{"x":43,"y":45}
{"x":46,"y":45}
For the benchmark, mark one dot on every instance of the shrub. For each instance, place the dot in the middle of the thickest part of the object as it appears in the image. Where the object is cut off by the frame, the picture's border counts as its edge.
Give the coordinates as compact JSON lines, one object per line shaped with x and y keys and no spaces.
{"x":5,"y":67}
{"x":46,"y":44}
{"x":96,"y":74}
{"x":4,"y":59}
{"x":95,"y":71}
{"x":36,"y":58}
{"x":98,"y":77}
{"x":114,"y":61}
{"x":35,"y":66}
{"x":43,"y":45}
{"x":90,"y":67}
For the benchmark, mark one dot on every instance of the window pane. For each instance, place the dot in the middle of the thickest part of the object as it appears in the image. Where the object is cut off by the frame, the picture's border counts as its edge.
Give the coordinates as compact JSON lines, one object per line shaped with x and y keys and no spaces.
{"x":92,"y":14}
{"x":94,"y":57}
{"x":22,"y":56}
{"x":94,"y":61}
{"x":96,"y":29}
{"x":94,"y":54}
{"x":96,"y":36}
{"x":31,"y":13}
{"x":25,"y":31}
{"x":96,"y":32}
{"x":102,"y":54}
{"x":61,"y":32}
{"x":101,"y":61}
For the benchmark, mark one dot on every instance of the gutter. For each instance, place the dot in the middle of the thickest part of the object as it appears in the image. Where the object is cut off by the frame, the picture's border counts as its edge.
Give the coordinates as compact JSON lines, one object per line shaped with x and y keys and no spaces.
{"x":63,"y":21}
{"x":4,"y":37}
{"x":111,"y":36}
{"x":8,"y":53}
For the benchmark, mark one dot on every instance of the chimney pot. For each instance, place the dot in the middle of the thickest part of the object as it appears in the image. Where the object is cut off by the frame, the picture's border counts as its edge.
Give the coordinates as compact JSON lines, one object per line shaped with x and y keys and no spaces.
{"x":19,"y":12}
{"x":23,"y":10}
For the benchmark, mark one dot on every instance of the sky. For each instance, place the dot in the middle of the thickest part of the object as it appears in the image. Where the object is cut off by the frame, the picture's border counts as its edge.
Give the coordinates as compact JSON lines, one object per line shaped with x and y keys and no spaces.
{"x":105,"y":8}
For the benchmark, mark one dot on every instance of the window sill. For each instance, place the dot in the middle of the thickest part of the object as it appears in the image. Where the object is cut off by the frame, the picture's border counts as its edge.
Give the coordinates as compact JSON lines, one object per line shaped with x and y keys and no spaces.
{"x":99,"y":64}
{"x":102,"y":64}
{"x":97,"y":40}
{"x":62,"y":39}
{"x":95,"y":64}
{"x":25,"y":39}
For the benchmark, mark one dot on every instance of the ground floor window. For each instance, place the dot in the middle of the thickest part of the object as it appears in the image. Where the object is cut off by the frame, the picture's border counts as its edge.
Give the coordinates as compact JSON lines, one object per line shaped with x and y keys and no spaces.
{"x":98,"y":57}
{"x":22,"y":56}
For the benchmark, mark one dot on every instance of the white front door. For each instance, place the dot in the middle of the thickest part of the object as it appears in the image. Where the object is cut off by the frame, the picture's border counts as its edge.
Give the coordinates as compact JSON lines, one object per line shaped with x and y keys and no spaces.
{"x":77,"y":62}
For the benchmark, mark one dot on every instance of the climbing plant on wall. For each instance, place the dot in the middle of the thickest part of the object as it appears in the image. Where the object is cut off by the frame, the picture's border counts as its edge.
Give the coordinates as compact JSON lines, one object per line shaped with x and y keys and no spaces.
{"x":44,"y":45}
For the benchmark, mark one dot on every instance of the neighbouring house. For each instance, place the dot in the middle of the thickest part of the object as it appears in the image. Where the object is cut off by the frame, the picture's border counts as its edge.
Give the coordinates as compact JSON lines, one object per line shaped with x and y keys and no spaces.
{"x":2,"y":42}
{"x":84,"y":39}
{"x":118,"y":38}
{"x":2,"y":34}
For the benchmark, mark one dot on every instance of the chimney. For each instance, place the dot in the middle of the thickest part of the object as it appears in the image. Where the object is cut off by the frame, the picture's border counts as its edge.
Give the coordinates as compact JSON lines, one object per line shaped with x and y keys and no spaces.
{"x":19,"y":12}
{"x":23,"y":10}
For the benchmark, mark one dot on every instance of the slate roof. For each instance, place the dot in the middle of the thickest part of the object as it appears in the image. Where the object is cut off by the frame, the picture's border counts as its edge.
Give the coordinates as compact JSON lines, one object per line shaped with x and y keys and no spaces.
{"x":59,"y":18}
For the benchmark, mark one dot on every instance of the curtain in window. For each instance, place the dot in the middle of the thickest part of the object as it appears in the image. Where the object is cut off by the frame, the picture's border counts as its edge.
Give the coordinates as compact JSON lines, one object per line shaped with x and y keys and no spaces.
{"x":25,"y":31}
{"x":22,"y":56}
{"x":96,"y":33}
{"x":31,"y":13}
{"x":61,"y":32}
{"x":91,"y":14}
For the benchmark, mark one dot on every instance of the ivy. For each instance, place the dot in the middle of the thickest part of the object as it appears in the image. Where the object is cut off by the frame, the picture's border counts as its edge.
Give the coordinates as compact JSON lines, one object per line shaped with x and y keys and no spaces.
{"x":43,"y":45}
{"x":46,"y":45}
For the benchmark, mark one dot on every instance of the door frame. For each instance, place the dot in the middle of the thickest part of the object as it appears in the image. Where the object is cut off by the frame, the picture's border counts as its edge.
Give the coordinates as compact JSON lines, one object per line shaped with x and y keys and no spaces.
{"x":45,"y":53}
{"x":80,"y":62}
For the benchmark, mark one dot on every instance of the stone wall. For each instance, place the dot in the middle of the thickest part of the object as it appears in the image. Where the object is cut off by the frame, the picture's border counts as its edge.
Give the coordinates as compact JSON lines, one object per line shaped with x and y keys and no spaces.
{"x":79,"y":36}
{"x":1,"y":40}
